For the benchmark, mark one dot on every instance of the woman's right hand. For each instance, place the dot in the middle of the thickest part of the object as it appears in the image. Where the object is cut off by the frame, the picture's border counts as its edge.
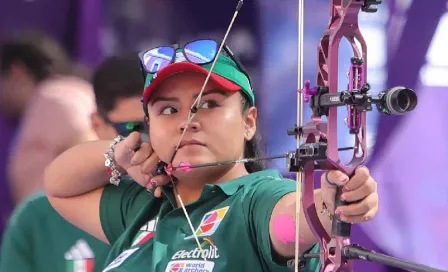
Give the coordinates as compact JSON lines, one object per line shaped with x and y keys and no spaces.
{"x":141,"y":164}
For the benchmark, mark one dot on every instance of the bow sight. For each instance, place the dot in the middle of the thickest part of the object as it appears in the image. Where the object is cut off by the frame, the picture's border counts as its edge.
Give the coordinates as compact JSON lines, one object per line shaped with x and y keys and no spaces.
{"x":395,"y":101}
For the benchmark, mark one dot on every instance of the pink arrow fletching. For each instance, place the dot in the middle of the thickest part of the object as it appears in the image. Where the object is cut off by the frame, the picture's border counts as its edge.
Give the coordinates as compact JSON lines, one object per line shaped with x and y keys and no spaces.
{"x":184,"y":166}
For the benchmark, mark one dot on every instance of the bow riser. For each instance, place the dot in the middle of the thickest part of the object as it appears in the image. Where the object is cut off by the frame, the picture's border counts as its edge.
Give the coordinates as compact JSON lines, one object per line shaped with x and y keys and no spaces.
{"x":343,"y":23}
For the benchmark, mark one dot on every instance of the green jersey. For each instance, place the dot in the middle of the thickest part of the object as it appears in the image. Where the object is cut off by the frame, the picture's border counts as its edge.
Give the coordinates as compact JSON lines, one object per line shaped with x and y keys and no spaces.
{"x":230,"y":220}
{"x":38,"y":239}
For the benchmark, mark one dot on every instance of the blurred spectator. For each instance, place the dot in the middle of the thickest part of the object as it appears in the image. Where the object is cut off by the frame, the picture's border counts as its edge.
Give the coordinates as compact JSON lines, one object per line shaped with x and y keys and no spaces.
{"x":54,"y":106}
{"x":118,"y":86}
{"x":38,"y":238}
{"x":27,"y":59}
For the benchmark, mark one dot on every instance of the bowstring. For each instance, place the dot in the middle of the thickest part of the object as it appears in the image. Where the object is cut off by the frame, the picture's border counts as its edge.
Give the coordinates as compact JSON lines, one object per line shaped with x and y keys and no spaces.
{"x":192,"y":114}
{"x":299,"y":176}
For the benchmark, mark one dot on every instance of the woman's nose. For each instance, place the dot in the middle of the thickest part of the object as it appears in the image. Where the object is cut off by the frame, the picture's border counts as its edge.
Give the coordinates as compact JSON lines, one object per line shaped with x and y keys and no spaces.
{"x":194,"y":126}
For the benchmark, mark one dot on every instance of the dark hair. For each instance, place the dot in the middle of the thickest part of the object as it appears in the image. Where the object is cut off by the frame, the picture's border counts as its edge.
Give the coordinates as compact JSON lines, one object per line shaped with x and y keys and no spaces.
{"x":117,"y":77}
{"x":253,"y":147}
{"x":41,"y":55}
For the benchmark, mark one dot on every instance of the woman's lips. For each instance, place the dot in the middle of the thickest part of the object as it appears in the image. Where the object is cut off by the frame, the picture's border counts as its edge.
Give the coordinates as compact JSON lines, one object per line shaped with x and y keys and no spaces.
{"x":190,"y":143}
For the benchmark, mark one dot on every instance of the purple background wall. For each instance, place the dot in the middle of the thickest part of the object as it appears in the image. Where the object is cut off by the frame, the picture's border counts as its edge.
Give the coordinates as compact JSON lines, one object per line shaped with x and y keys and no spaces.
{"x":414,"y":195}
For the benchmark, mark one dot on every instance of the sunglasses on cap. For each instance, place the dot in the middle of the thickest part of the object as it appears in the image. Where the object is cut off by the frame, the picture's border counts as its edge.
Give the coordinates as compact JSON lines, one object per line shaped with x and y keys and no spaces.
{"x":199,"y":52}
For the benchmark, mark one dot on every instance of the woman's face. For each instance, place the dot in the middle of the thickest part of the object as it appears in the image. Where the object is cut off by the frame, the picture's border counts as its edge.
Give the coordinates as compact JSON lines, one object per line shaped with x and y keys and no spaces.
{"x":218,"y":130}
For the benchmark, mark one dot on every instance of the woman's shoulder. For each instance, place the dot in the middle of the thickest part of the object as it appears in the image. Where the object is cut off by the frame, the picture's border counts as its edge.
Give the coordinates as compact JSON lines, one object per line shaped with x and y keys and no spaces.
{"x":260,"y":181}
{"x":269,"y":175}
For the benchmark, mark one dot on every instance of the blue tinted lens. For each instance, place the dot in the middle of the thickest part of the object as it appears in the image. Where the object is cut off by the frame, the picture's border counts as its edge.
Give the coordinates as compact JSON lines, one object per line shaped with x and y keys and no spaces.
{"x":155,"y":59}
{"x":202,"y":51}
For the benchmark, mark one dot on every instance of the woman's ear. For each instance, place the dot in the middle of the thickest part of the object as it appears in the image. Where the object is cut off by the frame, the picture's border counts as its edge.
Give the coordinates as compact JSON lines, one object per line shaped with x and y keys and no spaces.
{"x":250,"y":123}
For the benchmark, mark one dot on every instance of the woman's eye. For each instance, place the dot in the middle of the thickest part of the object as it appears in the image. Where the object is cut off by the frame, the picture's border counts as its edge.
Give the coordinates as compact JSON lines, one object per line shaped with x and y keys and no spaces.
{"x":209,"y":104}
{"x":168,"y":110}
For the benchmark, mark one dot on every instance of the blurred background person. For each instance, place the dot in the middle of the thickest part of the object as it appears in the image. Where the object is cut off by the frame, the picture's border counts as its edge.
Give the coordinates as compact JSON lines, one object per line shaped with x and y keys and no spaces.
{"x":52,"y":105}
{"x":118,"y":86}
{"x":37,"y":238}
{"x":27,"y":59}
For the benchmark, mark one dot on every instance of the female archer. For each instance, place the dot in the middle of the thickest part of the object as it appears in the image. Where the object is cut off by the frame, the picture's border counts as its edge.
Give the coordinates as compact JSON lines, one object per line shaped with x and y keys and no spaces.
{"x":224,"y":217}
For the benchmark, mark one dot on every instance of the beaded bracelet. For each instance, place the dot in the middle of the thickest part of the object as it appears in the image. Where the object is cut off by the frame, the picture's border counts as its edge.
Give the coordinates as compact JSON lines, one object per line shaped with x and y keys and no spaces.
{"x":112,"y":170}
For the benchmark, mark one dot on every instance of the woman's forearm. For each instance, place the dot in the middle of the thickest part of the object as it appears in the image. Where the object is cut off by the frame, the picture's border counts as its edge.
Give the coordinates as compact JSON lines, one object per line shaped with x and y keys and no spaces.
{"x":78,"y":170}
{"x":284,"y":215}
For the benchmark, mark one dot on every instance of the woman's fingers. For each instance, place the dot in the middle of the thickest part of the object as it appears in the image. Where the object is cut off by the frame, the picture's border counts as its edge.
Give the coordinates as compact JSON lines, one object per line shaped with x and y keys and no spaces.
{"x":150,"y":164}
{"x":155,"y":185}
{"x":360,"y":208}
{"x":142,"y":154}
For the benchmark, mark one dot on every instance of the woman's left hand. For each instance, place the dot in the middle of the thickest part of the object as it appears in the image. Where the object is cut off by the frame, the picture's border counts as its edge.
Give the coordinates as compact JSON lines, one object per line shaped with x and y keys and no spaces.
{"x":361,"y":187}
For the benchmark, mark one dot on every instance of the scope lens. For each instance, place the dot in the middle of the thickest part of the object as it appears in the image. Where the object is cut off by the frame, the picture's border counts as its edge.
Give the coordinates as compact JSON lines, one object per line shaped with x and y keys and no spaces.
{"x":400,"y":100}
{"x":403,"y":100}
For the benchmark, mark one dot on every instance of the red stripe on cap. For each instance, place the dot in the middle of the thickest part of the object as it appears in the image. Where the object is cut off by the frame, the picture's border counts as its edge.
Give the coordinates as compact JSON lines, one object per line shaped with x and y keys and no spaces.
{"x":186,"y":67}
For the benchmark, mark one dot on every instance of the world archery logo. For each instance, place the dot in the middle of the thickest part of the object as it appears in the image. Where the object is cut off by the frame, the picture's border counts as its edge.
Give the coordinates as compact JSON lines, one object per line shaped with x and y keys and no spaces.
{"x":210,"y":223}
{"x":190,"y":266}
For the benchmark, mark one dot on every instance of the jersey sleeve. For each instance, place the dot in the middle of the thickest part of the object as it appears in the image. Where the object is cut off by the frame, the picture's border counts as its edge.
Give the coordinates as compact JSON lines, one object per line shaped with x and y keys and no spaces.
{"x":16,"y":250}
{"x":120,"y":205}
{"x":261,"y":198}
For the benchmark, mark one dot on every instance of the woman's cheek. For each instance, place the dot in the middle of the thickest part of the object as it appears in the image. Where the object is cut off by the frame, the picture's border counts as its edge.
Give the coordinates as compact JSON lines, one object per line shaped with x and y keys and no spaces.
{"x":160,"y":142}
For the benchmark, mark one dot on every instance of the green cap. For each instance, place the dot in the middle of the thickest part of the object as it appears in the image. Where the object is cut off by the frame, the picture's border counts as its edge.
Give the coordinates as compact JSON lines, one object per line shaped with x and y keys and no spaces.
{"x":225,"y":73}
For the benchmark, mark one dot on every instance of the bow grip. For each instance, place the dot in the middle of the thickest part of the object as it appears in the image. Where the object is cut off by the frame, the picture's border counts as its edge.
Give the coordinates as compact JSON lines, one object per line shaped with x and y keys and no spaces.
{"x":338,"y":227}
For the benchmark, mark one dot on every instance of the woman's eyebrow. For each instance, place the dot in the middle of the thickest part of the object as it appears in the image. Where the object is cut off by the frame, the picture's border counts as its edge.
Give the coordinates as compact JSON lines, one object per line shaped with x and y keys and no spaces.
{"x":212,"y":91}
{"x":176,"y":99}
{"x":164,"y":98}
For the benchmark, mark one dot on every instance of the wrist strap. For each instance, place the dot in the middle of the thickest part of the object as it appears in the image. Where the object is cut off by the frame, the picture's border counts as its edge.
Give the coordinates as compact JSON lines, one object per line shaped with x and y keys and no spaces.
{"x":112,"y":170}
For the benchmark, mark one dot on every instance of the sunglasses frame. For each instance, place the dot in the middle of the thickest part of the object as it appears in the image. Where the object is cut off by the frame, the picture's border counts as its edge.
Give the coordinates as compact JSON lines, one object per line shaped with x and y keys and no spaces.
{"x":143,"y":129}
{"x":225,"y":48}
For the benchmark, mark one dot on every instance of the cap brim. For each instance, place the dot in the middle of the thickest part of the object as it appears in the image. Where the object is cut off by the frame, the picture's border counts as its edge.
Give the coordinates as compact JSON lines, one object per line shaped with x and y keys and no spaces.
{"x":187,"y":67}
